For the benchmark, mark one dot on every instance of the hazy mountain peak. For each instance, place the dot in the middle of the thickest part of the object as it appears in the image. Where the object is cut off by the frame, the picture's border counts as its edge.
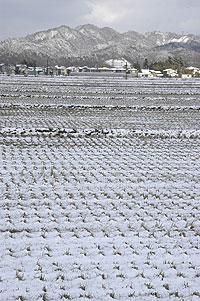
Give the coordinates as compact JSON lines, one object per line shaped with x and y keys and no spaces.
{"x":87,"y":26}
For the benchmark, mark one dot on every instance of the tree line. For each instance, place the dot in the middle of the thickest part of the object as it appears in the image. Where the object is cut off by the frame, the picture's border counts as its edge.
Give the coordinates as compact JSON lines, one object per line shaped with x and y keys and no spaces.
{"x":175,"y":63}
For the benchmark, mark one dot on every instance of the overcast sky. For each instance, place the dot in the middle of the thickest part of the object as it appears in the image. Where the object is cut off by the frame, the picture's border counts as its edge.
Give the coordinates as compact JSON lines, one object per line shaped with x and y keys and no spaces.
{"x":21,"y":17}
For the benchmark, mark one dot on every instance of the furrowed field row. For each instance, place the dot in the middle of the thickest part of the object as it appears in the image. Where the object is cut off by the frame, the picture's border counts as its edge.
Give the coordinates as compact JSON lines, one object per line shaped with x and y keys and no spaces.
{"x":99,"y":194}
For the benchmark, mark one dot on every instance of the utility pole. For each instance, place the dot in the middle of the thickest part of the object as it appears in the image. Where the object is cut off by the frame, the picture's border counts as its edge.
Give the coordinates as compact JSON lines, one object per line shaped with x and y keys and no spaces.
{"x":126,"y":67}
{"x":47,"y":65}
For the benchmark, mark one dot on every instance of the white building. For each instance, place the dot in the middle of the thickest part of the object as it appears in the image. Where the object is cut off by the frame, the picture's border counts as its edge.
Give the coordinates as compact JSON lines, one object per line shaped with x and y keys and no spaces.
{"x":170,"y":73}
{"x":193,"y":70}
{"x":156,"y":73}
{"x":118,"y":63}
{"x":145,"y":73}
{"x":186,"y":75}
{"x":60,"y":70}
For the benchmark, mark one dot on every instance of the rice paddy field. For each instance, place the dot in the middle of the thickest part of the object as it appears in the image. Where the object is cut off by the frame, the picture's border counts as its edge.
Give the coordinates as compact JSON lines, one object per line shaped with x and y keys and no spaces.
{"x":99,"y":188}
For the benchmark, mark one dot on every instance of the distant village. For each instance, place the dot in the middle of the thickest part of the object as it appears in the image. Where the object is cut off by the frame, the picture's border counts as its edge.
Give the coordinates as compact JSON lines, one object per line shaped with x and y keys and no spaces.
{"x":117,"y":67}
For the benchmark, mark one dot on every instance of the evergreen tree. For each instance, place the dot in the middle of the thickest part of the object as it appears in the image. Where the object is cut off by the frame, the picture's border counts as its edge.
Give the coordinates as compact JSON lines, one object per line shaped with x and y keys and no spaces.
{"x":146,"y":64}
{"x":137,"y":66}
{"x":170,"y":60}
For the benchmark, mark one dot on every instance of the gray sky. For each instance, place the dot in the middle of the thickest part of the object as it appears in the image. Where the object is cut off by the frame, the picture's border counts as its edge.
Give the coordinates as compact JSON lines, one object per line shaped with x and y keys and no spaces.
{"x":21,"y":17}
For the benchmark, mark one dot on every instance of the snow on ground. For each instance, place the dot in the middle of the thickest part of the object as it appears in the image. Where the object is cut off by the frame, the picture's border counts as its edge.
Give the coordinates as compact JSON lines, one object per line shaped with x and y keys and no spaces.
{"x":99,"y":202}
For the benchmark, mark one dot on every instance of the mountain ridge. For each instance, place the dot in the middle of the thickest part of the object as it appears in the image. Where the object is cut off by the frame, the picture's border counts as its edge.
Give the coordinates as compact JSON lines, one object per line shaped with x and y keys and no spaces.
{"x":93,"y":45}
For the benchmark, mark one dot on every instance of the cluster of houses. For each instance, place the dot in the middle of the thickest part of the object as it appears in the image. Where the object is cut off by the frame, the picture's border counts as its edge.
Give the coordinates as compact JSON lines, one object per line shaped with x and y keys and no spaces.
{"x":112,"y":71}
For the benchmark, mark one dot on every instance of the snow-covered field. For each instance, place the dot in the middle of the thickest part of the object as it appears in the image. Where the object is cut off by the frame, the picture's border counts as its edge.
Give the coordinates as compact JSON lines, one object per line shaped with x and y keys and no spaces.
{"x":100,"y":189}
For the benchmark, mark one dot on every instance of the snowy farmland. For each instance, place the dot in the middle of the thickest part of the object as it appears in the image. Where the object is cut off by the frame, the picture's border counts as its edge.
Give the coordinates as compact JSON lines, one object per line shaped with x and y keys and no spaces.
{"x":100,"y":188}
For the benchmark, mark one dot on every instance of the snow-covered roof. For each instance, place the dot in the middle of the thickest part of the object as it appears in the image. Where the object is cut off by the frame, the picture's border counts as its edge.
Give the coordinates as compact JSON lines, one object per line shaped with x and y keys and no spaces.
{"x":118,"y":63}
{"x":21,"y":65}
{"x":145,"y":71}
{"x":156,"y":71}
{"x":192,"y":68}
{"x":170,"y":70}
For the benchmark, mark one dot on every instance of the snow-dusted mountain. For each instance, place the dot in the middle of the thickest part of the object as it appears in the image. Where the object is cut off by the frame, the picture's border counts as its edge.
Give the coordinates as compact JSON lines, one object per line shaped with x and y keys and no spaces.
{"x":91,"y":44}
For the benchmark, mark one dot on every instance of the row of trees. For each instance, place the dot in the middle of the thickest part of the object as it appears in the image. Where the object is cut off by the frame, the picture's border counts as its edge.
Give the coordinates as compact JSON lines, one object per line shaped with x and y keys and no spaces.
{"x":176,"y":63}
